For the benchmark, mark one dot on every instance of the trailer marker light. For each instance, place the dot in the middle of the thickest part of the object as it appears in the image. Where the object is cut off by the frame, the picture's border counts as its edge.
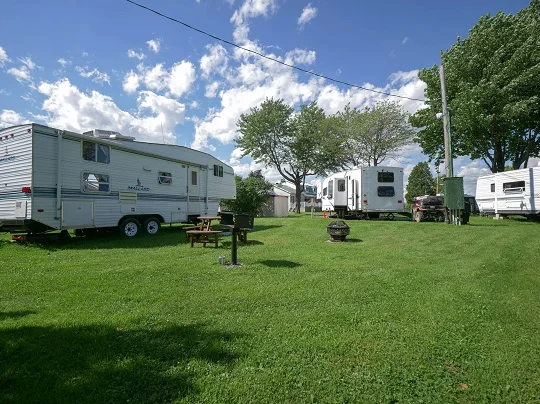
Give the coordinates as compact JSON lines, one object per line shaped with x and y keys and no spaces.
{"x":365,"y":200}
{"x":26,"y":190}
{"x":399,"y":201}
{"x":40,"y":210}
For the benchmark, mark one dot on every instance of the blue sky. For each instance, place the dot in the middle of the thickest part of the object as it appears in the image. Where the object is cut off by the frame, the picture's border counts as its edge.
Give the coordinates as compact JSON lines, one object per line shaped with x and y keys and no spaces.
{"x":109,"y":64}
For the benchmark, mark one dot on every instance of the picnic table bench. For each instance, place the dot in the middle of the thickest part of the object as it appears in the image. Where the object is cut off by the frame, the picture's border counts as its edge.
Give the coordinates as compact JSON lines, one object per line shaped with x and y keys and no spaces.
{"x":203,"y":236}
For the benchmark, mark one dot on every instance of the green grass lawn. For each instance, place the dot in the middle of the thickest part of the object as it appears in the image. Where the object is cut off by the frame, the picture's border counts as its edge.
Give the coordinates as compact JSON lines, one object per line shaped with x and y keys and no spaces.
{"x":403,"y":312}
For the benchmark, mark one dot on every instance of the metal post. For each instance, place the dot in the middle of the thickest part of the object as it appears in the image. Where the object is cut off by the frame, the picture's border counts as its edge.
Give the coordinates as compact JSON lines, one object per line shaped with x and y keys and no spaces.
{"x":448,"y":164}
{"x":234,"y":254}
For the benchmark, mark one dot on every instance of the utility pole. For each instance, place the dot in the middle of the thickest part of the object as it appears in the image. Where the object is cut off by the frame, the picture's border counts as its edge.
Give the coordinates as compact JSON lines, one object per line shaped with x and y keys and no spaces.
{"x":448,"y":163}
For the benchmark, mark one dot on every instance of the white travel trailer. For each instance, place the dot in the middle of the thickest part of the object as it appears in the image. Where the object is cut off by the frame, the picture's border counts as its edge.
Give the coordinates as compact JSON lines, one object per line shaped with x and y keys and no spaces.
{"x":53,"y":179}
{"x":363,"y":191}
{"x":510,"y":193}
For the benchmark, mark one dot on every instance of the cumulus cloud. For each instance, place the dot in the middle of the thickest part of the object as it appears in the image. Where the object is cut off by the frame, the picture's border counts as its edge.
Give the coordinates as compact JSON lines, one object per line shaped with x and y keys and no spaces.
{"x":211,"y":89}
{"x":131,"y":82}
{"x":3,"y":57}
{"x":176,"y":81}
{"x":308,"y":13}
{"x":405,"y":40}
{"x":9,"y":117}
{"x":23,"y":72}
{"x":64,"y":62}
{"x":216,"y":60}
{"x":154,"y":45}
{"x":132,"y":54}
{"x":94,"y":74}
{"x":69,"y":108}
{"x":300,"y":56}
{"x":250,"y":9}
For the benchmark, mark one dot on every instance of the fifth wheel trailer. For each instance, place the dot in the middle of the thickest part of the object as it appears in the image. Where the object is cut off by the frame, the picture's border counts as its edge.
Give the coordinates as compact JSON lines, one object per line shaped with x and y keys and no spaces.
{"x":53,"y":179}
{"x":514,"y":192}
{"x":363,"y":191}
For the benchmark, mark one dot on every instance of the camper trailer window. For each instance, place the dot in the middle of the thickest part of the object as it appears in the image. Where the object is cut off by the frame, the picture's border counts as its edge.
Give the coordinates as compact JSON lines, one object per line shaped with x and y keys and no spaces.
{"x":324,"y":191}
{"x":492,"y":187}
{"x":164,"y":178}
{"x":385,"y":191}
{"x":341,"y":185}
{"x":330,"y":189}
{"x":385,"y":176}
{"x":93,"y":182}
{"x":96,"y":152}
{"x":218,"y":170}
{"x":194,"y":178}
{"x":514,"y":187}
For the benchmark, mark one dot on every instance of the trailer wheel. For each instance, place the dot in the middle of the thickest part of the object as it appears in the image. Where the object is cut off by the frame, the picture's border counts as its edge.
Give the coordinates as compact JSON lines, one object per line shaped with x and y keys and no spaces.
{"x":151,"y":225}
{"x":418,"y":216}
{"x":129,"y":227}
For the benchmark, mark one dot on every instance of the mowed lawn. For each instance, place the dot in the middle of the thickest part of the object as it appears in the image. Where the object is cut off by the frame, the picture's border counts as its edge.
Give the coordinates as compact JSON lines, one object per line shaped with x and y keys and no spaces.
{"x":403,"y":312}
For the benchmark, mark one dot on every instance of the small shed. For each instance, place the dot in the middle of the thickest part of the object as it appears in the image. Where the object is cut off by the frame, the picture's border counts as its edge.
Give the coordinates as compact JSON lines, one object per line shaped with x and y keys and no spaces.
{"x":277,"y":206}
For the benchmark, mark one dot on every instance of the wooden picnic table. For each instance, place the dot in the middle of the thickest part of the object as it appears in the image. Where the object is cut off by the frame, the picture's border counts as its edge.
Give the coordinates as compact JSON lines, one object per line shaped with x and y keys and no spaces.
{"x":203,"y":236}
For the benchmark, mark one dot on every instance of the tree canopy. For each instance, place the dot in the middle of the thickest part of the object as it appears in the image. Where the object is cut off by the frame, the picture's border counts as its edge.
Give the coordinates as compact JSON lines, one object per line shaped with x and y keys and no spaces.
{"x":296,"y":145}
{"x":251,"y":195}
{"x":493,"y":92}
{"x":375,"y":133}
{"x":420,"y":183}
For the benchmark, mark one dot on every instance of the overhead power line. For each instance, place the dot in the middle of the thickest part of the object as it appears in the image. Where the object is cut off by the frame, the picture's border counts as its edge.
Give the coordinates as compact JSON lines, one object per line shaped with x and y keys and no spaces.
{"x":269,"y":58}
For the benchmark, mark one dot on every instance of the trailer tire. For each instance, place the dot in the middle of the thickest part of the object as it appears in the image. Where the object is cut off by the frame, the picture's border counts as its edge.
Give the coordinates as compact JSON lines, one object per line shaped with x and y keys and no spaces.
{"x":129,"y":227}
{"x":151,"y":225}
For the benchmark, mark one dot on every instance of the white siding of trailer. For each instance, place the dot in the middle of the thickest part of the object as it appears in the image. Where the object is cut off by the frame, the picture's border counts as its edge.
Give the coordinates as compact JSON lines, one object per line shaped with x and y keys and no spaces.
{"x":17,"y":172}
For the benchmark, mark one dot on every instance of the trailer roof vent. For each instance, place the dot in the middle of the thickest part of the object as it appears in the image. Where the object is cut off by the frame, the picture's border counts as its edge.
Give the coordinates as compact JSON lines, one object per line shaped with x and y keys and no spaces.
{"x":108,"y":134}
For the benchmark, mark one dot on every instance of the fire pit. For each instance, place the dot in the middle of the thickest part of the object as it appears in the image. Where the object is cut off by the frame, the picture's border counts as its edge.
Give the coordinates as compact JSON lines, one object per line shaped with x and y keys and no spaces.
{"x":338,"y":230}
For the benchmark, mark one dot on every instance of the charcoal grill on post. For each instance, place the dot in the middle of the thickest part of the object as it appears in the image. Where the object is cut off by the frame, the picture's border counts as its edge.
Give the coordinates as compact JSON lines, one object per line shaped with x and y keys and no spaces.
{"x":338,"y":230}
{"x":242,"y":221}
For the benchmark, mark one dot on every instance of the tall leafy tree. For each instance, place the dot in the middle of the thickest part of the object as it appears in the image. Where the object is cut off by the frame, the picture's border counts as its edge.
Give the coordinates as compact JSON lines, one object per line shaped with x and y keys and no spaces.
{"x":296,"y":145}
{"x":372,"y":135}
{"x":251,"y":194}
{"x":493,"y":91}
{"x":421,"y":182}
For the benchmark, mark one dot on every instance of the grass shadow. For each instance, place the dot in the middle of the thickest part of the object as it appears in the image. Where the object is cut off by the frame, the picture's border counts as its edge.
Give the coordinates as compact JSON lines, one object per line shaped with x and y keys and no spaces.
{"x":353,"y":240}
{"x":228,"y":243}
{"x":106,"y":364}
{"x":280,"y":264}
{"x":168,"y":236}
{"x":15,"y":314}
{"x":266,"y":227}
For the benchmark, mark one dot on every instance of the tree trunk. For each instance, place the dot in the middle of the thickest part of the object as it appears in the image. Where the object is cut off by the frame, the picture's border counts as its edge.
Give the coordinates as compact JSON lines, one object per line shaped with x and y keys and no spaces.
{"x":298,"y":195}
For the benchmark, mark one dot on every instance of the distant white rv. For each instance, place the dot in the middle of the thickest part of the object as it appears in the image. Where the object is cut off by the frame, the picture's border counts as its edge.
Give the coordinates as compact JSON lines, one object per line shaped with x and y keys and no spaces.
{"x":53,"y":179}
{"x":363,"y":192}
{"x":514,"y":192}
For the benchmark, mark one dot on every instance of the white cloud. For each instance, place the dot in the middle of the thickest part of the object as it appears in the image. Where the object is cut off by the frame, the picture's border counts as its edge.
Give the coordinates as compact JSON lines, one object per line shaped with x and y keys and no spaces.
{"x":69,"y":108}
{"x":154,"y":45}
{"x":215,"y":61}
{"x":64,"y":62}
{"x":177,"y":81}
{"x":3,"y":57}
{"x":211,"y":89}
{"x":250,"y":9}
{"x":405,"y":40}
{"x":95,"y":75}
{"x":131,"y":82}
{"x":132,"y":54}
{"x":181,"y":78}
{"x":9,"y":117}
{"x":84,"y":54}
{"x":300,"y":56}
{"x":23,"y":73}
{"x":308,"y":13}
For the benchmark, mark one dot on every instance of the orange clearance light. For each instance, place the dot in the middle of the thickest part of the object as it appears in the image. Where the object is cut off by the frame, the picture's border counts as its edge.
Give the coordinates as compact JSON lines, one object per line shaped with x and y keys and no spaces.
{"x":26,"y":190}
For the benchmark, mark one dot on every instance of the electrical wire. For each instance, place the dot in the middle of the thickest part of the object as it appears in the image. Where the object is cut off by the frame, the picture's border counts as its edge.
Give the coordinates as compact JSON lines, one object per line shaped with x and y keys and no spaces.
{"x":269,"y":58}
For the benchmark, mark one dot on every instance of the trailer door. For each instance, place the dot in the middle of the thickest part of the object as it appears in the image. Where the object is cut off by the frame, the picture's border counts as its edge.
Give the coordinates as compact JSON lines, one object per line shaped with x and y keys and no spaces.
{"x":194,"y":180}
